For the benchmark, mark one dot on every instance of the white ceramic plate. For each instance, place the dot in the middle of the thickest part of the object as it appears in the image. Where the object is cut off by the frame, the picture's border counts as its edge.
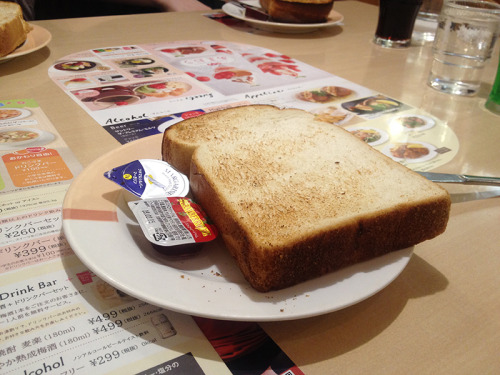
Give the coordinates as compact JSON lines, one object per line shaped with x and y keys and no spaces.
{"x":208,"y":284}
{"x":36,"y":39}
{"x":235,"y":11}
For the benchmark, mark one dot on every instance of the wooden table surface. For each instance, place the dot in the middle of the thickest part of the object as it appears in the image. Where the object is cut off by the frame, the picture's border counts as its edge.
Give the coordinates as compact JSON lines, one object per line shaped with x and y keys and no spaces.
{"x":441,"y":315}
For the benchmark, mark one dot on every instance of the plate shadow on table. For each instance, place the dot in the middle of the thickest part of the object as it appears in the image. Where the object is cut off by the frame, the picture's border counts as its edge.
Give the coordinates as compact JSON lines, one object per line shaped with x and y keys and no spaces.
{"x":342,"y":331}
{"x":317,"y":34}
{"x":24,"y":62}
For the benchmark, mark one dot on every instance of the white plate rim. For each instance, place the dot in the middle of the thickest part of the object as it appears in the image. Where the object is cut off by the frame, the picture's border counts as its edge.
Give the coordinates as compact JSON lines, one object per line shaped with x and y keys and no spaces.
{"x":204,"y":292}
{"x":38,"y":32}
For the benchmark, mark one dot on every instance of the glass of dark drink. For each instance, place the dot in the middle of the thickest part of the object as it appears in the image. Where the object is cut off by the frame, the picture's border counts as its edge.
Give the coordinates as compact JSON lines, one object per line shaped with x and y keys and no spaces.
{"x":395,"y":22}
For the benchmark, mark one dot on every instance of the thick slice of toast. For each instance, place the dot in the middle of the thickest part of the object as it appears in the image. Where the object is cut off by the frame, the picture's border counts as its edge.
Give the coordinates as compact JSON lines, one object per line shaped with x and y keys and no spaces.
{"x":295,"y":198}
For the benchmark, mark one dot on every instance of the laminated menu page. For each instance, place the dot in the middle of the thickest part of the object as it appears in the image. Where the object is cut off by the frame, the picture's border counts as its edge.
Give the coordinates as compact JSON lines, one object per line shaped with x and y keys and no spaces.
{"x":135,"y":91}
{"x":36,"y":168}
{"x":56,"y":315}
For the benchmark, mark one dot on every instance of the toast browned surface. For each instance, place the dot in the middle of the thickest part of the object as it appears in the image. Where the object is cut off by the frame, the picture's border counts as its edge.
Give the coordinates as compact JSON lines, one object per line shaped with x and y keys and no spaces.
{"x":295,"y":198}
{"x":232,"y":125}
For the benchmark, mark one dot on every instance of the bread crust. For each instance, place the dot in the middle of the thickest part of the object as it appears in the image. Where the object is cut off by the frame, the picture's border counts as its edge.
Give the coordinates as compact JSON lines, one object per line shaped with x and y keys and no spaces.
{"x":329,"y":249}
{"x":13,"y":28}
{"x":294,"y":206}
{"x":298,"y":11}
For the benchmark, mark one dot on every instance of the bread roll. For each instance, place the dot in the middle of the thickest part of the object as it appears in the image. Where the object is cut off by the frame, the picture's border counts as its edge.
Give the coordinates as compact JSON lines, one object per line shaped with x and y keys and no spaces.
{"x":298,"y":11}
{"x":13,"y":28}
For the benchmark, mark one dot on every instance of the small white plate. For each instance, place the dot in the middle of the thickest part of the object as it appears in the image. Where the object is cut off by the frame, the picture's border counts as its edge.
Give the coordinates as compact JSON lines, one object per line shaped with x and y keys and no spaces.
{"x":36,"y":39}
{"x":208,"y":284}
{"x":334,"y":18}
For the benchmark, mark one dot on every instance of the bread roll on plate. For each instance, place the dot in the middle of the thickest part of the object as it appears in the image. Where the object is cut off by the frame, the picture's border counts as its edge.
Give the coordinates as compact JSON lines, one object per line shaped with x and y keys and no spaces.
{"x":298,"y":11}
{"x":13,"y":29}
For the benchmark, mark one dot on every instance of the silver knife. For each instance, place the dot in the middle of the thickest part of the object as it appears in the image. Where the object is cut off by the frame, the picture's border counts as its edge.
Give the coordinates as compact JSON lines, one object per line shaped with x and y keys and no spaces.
{"x":461,"y":178}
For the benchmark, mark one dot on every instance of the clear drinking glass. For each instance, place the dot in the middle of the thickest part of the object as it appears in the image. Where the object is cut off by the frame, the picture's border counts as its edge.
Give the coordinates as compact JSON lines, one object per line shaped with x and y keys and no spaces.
{"x":465,"y":37}
{"x":430,"y":9}
{"x":426,"y":23}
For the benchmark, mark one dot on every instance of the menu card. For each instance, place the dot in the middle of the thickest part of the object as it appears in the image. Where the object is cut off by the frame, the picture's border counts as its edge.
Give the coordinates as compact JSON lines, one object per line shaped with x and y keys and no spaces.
{"x":136,"y":91}
{"x":57,"y":316}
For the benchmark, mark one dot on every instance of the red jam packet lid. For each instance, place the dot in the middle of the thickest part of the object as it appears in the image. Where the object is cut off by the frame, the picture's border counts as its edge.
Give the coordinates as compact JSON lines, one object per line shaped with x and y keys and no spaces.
{"x":172,"y":222}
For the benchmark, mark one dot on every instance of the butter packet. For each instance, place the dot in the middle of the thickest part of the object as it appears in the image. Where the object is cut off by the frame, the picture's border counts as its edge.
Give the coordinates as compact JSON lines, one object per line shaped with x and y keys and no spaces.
{"x":150,"y":178}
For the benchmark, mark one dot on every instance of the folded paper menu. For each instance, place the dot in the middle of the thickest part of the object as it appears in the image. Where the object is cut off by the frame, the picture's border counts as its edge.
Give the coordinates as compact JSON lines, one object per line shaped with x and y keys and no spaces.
{"x":135,"y":91}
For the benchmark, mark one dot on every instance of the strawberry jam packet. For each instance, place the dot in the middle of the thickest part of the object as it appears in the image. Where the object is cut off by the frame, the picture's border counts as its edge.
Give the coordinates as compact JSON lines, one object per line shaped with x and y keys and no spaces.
{"x":150,"y":178}
{"x":174,"y":225}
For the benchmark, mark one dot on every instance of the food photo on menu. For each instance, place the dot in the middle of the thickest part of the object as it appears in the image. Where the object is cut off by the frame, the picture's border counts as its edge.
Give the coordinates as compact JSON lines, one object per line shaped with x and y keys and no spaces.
{"x":32,"y":152}
{"x":136,"y":91}
{"x":227,"y":69}
{"x":19,"y":129}
{"x":98,"y":98}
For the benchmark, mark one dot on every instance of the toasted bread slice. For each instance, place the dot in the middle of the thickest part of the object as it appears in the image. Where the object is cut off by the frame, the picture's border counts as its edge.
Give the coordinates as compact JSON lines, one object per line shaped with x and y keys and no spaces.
{"x":295,"y":198}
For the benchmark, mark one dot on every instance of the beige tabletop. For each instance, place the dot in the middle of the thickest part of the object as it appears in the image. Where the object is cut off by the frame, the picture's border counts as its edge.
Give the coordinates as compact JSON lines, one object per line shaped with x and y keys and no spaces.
{"x":441,"y":315}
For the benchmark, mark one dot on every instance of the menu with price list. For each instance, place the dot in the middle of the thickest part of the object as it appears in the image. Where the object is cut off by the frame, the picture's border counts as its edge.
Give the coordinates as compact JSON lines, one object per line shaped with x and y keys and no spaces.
{"x":56,"y":315}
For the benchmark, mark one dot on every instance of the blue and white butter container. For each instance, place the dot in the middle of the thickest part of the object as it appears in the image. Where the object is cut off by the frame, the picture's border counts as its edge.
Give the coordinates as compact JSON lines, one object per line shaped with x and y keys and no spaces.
{"x":150,"y":178}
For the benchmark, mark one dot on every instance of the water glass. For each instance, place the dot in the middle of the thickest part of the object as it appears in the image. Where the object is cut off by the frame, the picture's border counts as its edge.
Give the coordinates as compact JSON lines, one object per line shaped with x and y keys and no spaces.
{"x":430,"y":10}
{"x":465,"y":37}
{"x":426,"y":23}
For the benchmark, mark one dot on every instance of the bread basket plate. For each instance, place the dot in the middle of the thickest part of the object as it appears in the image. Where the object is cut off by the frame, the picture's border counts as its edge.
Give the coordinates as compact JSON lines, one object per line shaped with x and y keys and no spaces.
{"x":36,"y":39}
{"x":106,"y":237}
{"x":334,"y":18}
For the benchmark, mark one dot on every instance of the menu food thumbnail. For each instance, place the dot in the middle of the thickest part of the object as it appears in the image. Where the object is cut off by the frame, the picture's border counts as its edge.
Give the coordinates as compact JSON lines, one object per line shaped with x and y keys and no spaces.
{"x":137,"y":91}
